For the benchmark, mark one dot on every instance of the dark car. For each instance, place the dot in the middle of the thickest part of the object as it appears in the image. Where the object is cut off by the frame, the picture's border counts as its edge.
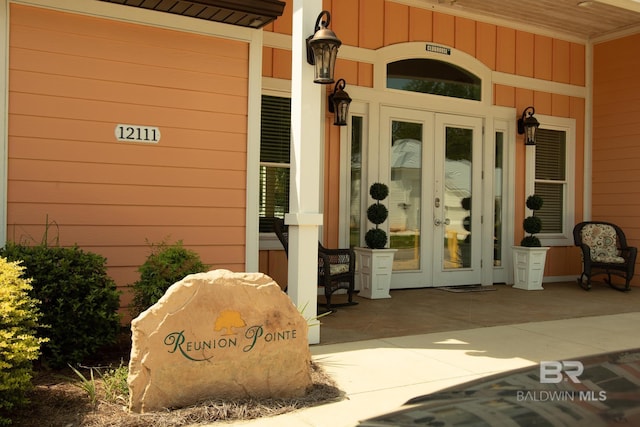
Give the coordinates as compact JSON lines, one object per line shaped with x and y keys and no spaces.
{"x":601,"y":390}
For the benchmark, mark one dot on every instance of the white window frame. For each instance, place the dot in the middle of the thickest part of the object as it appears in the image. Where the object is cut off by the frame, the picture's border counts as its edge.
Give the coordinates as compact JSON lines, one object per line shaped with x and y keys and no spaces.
{"x":568,"y":126}
{"x":359,"y":109}
{"x":269,"y":240}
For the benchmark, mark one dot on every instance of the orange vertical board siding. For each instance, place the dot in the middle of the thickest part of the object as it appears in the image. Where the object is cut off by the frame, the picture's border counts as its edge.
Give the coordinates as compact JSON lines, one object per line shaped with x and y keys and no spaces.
{"x":506,"y":54}
{"x":347,"y":70}
{"x":561,"y":61}
{"x":267,"y":62}
{"x":560,"y":105}
{"x":504,"y":96}
{"x":396,"y":23}
{"x":543,"y":51}
{"x":284,"y":24}
{"x":420,"y":25}
{"x":331,"y":184}
{"x":282,"y":64}
{"x":371,"y":13}
{"x":73,"y":78}
{"x":365,"y":75}
{"x":578,"y":64}
{"x":344,"y":21}
{"x":465,"y":35}
{"x":542,"y":101}
{"x":524,"y":54}
{"x":486,"y":44}
{"x":444,"y":29}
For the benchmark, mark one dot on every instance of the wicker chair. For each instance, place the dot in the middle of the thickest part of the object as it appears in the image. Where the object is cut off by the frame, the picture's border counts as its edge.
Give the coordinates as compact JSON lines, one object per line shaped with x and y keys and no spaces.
{"x":336,"y":267}
{"x":604,"y":251}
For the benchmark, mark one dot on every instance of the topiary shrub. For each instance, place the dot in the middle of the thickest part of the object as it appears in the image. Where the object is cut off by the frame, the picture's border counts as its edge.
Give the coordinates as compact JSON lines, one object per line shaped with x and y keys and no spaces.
{"x":377,"y":213}
{"x":19,"y":345}
{"x":532,"y":224}
{"x":166,"y":265}
{"x":79,"y":301}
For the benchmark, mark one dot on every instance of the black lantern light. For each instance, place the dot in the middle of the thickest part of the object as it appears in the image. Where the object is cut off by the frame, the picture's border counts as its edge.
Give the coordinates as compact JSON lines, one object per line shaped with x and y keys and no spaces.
{"x":322,"y":50}
{"x":339,"y":102}
{"x":528,"y":126}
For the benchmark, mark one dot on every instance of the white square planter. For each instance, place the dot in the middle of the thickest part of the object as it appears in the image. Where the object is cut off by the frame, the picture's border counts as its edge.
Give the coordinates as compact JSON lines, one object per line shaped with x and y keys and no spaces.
{"x":373,"y":272}
{"x":528,"y":267}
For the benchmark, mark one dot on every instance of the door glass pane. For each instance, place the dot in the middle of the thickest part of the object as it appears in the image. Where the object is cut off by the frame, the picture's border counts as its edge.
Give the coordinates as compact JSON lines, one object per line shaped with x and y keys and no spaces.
{"x":405,"y":194}
{"x":457,"y":198}
{"x":356,"y":181}
{"x":497,"y":191}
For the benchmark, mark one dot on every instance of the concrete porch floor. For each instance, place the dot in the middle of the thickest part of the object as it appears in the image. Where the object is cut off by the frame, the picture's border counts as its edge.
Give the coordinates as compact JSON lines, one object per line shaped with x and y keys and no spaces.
{"x":424,"y":311}
{"x":383,"y":352}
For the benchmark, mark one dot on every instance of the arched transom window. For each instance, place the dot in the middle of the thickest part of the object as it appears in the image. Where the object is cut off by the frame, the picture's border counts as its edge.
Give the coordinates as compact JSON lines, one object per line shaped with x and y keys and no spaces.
{"x":434,"y":77}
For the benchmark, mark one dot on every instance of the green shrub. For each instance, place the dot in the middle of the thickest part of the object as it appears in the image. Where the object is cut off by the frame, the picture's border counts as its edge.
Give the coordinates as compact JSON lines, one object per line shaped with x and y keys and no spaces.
{"x":166,"y":265}
{"x":19,"y":345}
{"x":377,"y":213}
{"x":375,"y":238}
{"x":79,"y":300}
{"x":534,"y":202}
{"x":378,"y":191}
{"x":532,"y":224}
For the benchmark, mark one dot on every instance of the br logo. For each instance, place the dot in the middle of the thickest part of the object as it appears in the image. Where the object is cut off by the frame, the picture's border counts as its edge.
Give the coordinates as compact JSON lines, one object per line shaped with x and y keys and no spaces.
{"x":228,"y":321}
{"x":551,"y":371}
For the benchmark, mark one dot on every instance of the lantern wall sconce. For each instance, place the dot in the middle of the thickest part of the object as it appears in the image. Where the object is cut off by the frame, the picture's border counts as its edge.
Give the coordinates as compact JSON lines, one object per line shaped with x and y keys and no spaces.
{"x":528,"y":125}
{"x":322,"y":50}
{"x":339,"y":102}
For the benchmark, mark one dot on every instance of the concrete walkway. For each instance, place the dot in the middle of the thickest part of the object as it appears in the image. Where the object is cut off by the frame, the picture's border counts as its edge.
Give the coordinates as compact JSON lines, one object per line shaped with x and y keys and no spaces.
{"x":379,"y":375}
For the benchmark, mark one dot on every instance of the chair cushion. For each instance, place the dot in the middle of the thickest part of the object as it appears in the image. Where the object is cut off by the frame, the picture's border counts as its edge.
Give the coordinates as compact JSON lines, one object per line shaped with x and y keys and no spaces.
{"x":338,"y":268}
{"x":602,"y":241}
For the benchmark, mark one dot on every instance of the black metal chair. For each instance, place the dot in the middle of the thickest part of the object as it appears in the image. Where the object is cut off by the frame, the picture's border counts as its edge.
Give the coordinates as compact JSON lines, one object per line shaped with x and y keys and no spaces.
{"x":604,"y":251}
{"x":336,"y":267}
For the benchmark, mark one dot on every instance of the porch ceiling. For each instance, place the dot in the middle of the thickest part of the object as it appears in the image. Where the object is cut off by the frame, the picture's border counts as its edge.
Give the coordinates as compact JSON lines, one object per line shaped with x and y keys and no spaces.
{"x":591,"y":19}
{"x":245,"y":13}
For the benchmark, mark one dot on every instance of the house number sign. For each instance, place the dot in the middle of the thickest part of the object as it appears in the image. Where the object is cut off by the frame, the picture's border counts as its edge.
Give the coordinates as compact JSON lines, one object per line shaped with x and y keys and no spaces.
{"x":137,"y":133}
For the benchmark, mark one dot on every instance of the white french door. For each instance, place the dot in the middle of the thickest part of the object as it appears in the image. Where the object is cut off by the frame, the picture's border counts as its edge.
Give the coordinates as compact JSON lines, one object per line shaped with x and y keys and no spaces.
{"x":434,"y":174}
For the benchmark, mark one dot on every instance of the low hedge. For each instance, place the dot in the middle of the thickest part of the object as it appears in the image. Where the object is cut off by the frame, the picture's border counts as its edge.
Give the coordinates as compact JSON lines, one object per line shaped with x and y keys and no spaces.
{"x":165,"y":265}
{"x":79,"y":300}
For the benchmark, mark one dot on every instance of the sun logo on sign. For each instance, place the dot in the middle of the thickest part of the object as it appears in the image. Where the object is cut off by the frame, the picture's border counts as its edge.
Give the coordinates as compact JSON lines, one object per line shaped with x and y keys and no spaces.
{"x":227,"y":321}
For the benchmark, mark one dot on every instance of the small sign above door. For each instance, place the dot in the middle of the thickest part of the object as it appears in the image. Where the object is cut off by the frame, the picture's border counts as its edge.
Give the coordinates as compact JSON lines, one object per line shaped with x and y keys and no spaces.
{"x":438,"y":49}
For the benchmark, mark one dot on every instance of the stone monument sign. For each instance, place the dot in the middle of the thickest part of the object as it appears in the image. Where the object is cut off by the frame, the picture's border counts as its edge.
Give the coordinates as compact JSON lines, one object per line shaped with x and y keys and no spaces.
{"x":218,"y":335}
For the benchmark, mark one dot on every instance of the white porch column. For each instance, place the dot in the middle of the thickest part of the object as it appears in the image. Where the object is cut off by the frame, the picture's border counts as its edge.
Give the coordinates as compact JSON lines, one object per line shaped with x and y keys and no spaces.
{"x":306,"y":133}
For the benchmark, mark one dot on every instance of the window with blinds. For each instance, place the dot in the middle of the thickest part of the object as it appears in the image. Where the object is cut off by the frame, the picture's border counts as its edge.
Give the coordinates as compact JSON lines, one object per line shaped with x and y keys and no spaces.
{"x":275,"y":143}
{"x":551,"y":178}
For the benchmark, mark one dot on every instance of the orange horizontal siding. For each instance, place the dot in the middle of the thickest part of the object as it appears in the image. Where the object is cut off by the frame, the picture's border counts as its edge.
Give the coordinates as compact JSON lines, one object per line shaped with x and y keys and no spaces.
{"x":72,"y":79}
{"x":93,"y":110}
{"x":95,"y":238}
{"x":91,"y":194}
{"x":616,"y":107}
{"x":38,"y":148}
{"x":83,"y":88}
{"x":145,"y":175}
{"x":72,"y":131}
